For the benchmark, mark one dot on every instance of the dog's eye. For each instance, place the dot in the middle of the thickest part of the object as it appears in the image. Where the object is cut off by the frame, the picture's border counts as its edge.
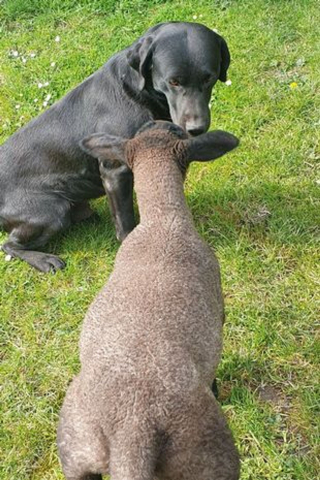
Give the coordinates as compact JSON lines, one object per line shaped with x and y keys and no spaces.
{"x":174,"y":82}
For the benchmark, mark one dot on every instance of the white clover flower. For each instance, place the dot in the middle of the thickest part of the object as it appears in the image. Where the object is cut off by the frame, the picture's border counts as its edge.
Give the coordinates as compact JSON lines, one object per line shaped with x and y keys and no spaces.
{"x":17,"y":107}
{"x":46,"y":84}
{"x":24,"y":60}
{"x":7,"y":258}
{"x":48,"y":97}
{"x":32,"y":55}
{"x":15,"y":53}
{"x":228,"y":83}
{"x":36,"y":100}
{"x":45,"y":104}
{"x":57,"y":39}
{"x":200,"y":16}
{"x":194,"y":17}
{"x":53,"y":64}
{"x":40,"y":85}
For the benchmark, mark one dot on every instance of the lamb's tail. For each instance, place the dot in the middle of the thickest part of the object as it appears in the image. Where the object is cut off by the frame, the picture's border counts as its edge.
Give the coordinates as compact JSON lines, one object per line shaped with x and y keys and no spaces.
{"x":133,"y":455}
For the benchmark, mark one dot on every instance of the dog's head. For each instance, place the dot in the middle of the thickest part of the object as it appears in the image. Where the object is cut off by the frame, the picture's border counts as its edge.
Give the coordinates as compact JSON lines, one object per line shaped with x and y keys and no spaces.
{"x":182,"y":61}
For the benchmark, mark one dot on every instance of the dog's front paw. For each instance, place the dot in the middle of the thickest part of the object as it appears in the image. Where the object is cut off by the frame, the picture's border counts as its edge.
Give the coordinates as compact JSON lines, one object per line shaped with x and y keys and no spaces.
{"x":47,"y":263}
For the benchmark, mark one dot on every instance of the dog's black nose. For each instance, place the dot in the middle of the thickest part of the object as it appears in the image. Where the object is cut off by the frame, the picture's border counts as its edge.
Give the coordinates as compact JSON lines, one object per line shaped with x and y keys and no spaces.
{"x":196,"y":131}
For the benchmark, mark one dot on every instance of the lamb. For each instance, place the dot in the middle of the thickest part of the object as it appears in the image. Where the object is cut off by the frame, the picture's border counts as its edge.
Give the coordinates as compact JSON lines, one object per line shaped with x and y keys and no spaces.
{"x":141,"y":407}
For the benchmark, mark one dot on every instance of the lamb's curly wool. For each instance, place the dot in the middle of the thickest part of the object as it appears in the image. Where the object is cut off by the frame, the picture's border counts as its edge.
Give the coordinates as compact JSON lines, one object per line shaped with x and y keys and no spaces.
{"x":141,"y":407}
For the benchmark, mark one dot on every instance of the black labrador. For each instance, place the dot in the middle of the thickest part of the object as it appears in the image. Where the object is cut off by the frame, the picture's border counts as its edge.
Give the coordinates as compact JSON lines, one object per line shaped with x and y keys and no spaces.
{"x":46,"y":179}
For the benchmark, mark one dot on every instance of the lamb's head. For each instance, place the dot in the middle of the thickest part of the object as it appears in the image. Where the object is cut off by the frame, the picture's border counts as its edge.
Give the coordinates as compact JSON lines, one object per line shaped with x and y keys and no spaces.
{"x":158,"y":139}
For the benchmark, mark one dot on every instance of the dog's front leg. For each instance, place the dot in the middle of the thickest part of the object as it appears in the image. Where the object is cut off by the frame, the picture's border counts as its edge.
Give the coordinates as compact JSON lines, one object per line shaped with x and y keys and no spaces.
{"x":118,"y":184}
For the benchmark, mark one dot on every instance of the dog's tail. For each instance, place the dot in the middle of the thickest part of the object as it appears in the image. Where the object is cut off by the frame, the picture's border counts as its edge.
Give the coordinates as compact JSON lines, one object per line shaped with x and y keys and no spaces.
{"x":134,"y":455}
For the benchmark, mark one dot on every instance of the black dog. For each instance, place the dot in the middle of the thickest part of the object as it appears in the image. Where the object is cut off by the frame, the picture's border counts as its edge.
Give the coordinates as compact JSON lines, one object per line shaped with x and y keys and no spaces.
{"x":46,"y":179}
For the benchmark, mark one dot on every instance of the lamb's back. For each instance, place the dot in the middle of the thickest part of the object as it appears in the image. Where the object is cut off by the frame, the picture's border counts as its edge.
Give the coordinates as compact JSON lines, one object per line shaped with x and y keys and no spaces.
{"x":162,"y":297}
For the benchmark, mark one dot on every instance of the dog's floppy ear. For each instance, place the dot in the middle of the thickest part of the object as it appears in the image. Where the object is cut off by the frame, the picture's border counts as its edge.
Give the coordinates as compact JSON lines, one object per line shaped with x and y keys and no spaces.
{"x":225,"y":60}
{"x":105,"y":147}
{"x":139,"y":58}
{"x":210,"y":146}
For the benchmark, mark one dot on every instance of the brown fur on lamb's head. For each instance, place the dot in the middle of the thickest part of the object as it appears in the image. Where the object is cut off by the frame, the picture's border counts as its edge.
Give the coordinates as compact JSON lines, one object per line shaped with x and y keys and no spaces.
{"x":156,"y":136}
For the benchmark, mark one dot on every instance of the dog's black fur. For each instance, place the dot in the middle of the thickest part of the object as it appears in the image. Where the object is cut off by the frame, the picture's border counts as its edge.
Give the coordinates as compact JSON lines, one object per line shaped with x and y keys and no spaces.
{"x":46,"y":178}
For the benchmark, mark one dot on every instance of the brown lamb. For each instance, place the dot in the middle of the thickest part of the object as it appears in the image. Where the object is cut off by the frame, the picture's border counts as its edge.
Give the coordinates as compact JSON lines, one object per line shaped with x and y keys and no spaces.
{"x":141,"y":407}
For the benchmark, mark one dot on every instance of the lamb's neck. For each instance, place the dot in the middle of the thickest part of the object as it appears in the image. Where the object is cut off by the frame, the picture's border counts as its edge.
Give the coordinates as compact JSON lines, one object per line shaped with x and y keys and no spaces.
{"x":159,"y":188}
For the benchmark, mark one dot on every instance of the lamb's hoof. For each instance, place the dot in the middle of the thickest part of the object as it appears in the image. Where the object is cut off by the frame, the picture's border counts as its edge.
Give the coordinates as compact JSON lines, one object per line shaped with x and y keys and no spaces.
{"x":214,"y":388}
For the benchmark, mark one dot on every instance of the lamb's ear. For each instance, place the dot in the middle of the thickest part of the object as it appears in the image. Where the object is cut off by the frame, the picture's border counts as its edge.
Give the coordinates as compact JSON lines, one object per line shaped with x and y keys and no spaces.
{"x":225,"y":60}
{"x":139,"y":58}
{"x":210,"y":146}
{"x":105,"y":147}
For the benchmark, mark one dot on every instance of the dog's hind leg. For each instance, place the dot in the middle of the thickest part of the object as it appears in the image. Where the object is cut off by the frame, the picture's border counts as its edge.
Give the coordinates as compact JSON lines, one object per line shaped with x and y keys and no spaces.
{"x":26,"y":237}
{"x":32,"y":228}
{"x":81,"y":211}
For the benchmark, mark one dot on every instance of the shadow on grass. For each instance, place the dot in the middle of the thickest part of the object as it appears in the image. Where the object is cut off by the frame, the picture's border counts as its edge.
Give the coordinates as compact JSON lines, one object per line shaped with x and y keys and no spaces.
{"x":267,"y":211}
{"x":276,"y":212}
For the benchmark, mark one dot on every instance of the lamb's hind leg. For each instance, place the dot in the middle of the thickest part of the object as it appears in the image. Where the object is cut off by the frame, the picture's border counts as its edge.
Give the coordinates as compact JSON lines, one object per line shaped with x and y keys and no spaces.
{"x":204,"y":450}
{"x":82,"y":446}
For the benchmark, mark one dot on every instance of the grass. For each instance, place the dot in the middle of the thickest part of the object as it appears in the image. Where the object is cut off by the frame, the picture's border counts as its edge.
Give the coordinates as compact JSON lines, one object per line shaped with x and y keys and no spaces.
{"x":258,"y":207}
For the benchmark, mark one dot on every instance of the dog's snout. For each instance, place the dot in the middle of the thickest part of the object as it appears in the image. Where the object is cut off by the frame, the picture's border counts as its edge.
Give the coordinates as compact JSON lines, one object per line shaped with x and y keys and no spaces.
{"x":195,"y":131}
{"x":197,"y":125}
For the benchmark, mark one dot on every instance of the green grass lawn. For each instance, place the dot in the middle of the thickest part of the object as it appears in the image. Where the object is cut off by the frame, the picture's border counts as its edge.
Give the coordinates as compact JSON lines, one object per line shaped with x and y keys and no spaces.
{"x":258,"y":207}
